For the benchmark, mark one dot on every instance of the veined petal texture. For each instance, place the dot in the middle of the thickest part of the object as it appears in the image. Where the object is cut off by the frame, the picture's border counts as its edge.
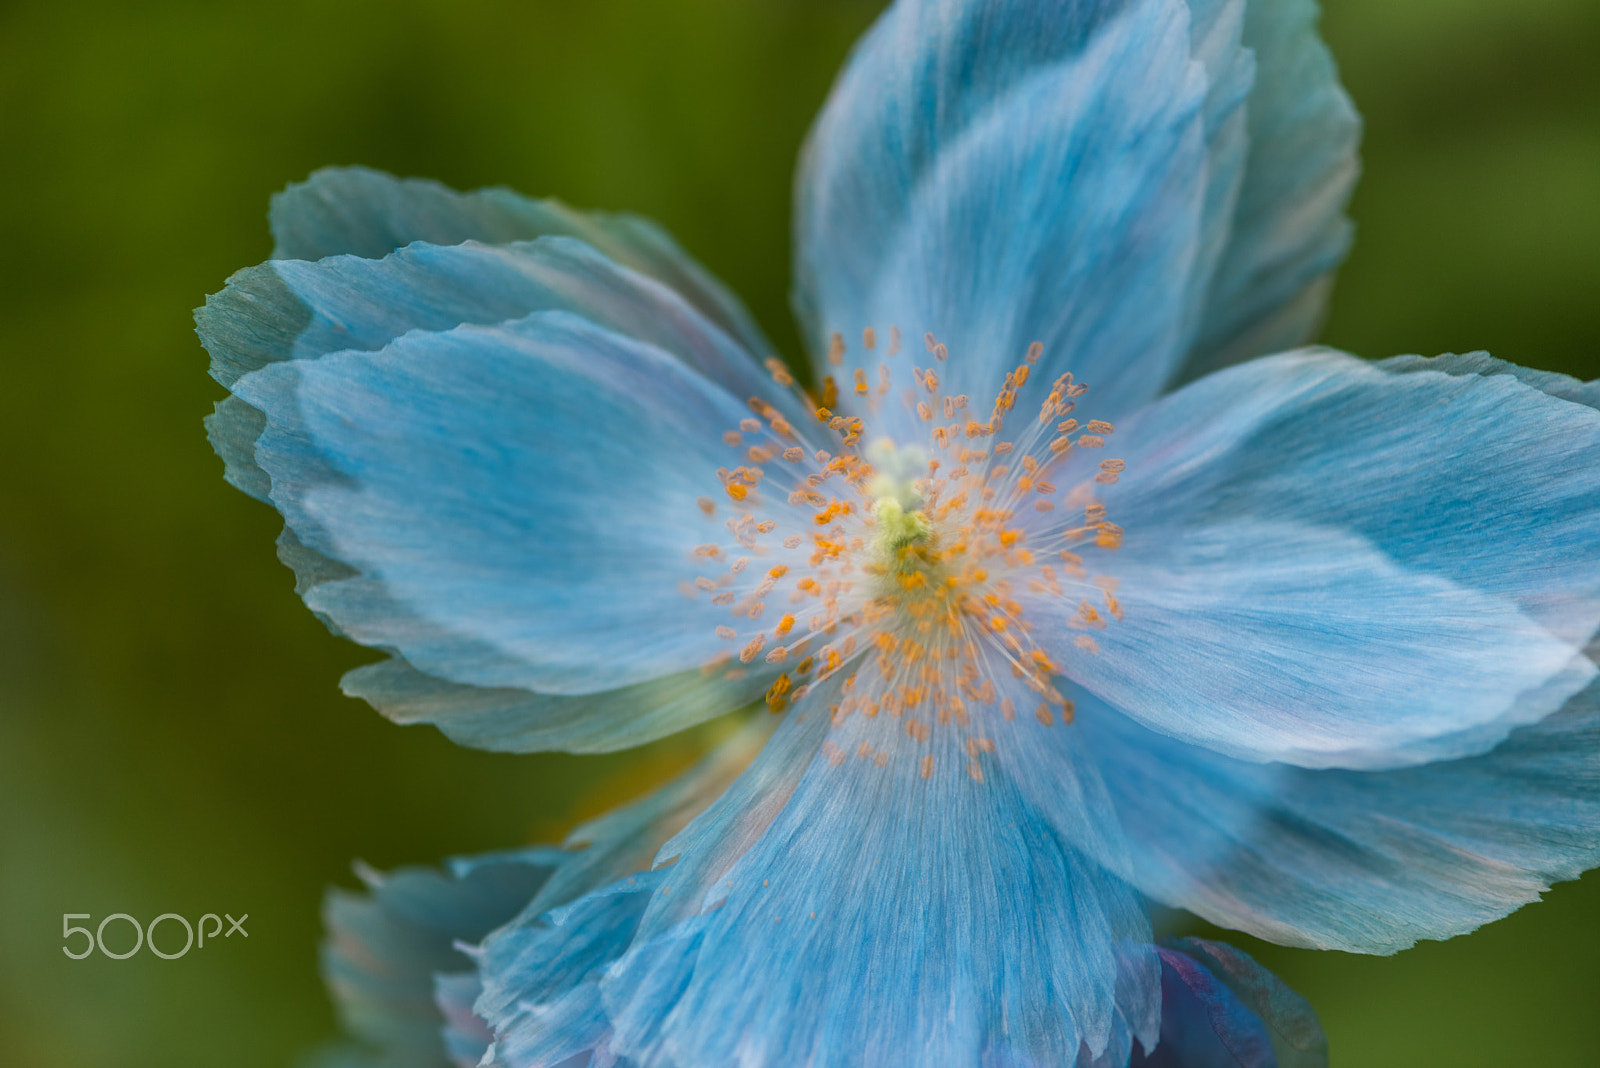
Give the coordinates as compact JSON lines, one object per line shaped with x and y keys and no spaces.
{"x":1362,"y":861}
{"x":999,"y":174}
{"x":292,"y":310}
{"x":1333,"y":565}
{"x":520,"y":501}
{"x":362,"y":212}
{"x":1150,"y":190}
{"x":880,"y":915}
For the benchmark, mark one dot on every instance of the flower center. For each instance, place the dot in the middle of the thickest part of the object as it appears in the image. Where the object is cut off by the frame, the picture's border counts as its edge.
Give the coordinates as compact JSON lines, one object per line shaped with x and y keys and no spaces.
{"x":898,"y":571}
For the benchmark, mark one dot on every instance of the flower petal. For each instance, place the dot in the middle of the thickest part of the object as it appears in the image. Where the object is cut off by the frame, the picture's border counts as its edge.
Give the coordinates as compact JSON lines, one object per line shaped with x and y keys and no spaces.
{"x":298,"y":310}
{"x":509,"y":720}
{"x":541,"y":977}
{"x":1366,"y":862}
{"x":293,"y":309}
{"x":519,"y":500}
{"x":1297,"y":1037}
{"x":1484,"y":365}
{"x":1203,"y":1025}
{"x":999,"y":942}
{"x":392,"y":957}
{"x":385,"y":947}
{"x":999,"y":174}
{"x":466,"y":1037}
{"x":1288,"y":230}
{"x":1333,"y":565}
{"x":362,"y":212}
{"x":1220,"y":1009}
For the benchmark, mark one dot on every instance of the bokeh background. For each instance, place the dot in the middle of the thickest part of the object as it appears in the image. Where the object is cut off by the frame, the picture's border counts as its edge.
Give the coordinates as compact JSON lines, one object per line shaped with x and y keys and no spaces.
{"x":171,"y":734}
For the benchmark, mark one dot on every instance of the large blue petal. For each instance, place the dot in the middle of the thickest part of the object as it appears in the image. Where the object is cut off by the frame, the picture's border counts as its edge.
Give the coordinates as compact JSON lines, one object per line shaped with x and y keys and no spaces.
{"x":519,"y":501}
{"x":362,"y":212}
{"x":893,"y":912}
{"x":1331,"y":564}
{"x":1287,"y":230}
{"x":1359,"y":861}
{"x":1004,"y":173}
{"x":298,"y":310}
{"x":288,"y":310}
{"x":997,"y":246}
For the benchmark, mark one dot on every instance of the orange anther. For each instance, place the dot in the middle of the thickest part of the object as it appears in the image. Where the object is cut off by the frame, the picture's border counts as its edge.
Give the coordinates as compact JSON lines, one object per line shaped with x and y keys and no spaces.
{"x":778,"y":694}
{"x":830,"y":391}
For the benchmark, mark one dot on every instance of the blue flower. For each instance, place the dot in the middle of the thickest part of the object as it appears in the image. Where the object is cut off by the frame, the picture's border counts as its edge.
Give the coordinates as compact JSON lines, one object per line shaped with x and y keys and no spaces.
{"x":1069,"y":592}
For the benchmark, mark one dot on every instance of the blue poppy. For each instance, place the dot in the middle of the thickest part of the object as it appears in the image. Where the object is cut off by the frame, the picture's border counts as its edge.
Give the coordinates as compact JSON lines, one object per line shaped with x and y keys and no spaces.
{"x":1072,"y":582}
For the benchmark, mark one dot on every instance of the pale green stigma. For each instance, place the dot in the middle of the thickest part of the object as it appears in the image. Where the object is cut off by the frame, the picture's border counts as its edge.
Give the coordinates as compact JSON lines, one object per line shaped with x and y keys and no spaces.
{"x":898,"y":528}
{"x":897,"y":501}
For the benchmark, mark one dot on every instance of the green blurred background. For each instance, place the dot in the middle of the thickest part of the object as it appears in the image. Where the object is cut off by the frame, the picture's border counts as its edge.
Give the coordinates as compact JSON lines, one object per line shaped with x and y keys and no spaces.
{"x":171,"y":734}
